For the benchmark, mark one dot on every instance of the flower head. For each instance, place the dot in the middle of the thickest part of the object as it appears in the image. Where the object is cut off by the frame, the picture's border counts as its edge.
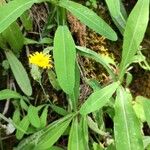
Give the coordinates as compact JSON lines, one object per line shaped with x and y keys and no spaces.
{"x":40,"y":59}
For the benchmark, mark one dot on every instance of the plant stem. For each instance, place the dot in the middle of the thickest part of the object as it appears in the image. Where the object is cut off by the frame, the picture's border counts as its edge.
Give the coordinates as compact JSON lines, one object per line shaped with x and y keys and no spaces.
{"x":45,"y":93}
{"x":61,"y":16}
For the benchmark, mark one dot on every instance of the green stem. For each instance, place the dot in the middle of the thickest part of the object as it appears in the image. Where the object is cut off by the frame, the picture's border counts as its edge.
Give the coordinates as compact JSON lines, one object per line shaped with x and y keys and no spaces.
{"x":45,"y":93}
{"x":61,"y":16}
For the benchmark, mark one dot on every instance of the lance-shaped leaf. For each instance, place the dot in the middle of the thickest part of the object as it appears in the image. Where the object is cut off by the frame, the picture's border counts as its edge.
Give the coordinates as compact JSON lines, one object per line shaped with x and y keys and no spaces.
{"x":134,"y":33}
{"x":78,"y":136}
{"x":64,"y":58}
{"x":89,"y":18}
{"x":14,"y":38}
{"x":19,"y":72}
{"x":53,"y":133}
{"x":75,"y":95}
{"x":7,"y":94}
{"x":98,"y":58}
{"x":83,"y":133}
{"x":73,"y":142}
{"x":23,"y":125}
{"x":98,"y":99}
{"x":47,"y":136}
{"x":26,"y":20}
{"x":114,"y":7}
{"x":126,"y":124}
{"x":12,"y":10}
{"x":33,"y":116}
{"x":145,"y":102}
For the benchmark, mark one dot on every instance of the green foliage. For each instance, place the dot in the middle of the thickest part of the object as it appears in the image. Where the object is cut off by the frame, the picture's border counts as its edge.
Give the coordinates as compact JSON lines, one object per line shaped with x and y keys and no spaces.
{"x":98,"y":99}
{"x":8,"y":94}
{"x":74,"y":136}
{"x":118,"y":17}
{"x":26,"y":20}
{"x":134,"y":33}
{"x":19,"y":72}
{"x":89,"y":18}
{"x":14,"y":37}
{"x":126,"y":123}
{"x":110,"y":100}
{"x":33,"y":116}
{"x":11,"y":11}
{"x":64,"y":46}
{"x":23,"y":124}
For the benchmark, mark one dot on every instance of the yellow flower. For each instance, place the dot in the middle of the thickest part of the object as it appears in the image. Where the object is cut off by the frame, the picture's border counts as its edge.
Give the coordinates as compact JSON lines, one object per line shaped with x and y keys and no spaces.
{"x":40,"y":59}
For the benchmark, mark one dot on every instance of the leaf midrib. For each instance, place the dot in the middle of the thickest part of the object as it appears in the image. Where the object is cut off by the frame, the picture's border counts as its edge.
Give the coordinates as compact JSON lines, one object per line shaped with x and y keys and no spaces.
{"x":125,"y":118}
{"x":129,"y":48}
{"x":9,"y":16}
{"x":83,"y":16}
{"x":105,"y":93}
{"x":56,"y":133}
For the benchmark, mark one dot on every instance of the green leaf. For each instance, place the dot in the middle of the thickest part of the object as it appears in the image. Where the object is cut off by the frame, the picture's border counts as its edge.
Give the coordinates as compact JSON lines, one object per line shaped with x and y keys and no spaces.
{"x":98,"y":99}
{"x":49,"y":134}
{"x":94,"y":126}
{"x":139,"y":110}
{"x":52,"y":134}
{"x":23,"y":105}
{"x":26,"y":20}
{"x":89,"y":18}
{"x":14,"y":37}
{"x":3,"y":43}
{"x":12,"y":10}
{"x":19,"y":72}
{"x":8,"y":94}
{"x":146,"y":141}
{"x":59,"y":110}
{"x":75,"y":95}
{"x":98,"y":58}
{"x":64,"y":58}
{"x":73,"y":142}
{"x":16,"y":116}
{"x":126,"y":124}
{"x":83,"y":133}
{"x":53,"y":80}
{"x":115,"y":11}
{"x":43,"y":117}
{"x":146,"y":105}
{"x":33,"y":116}
{"x":55,"y":148}
{"x":23,"y":124}
{"x":134,"y":33}
{"x":97,"y":146}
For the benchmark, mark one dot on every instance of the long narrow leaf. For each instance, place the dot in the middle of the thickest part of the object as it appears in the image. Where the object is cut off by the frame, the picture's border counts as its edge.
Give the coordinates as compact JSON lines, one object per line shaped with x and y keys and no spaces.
{"x":33,"y":116}
{"x":47,"y":136}
{"x":74,"y":136}
{"x":19,"y":72}
{"x":98,"y":99}
{"x":115,"y":11}
{"x":12,"y":10}
{"x":98,"y":58}
{"x":23,"y":124}
{"x":7,"y":94}
{"x":134,"y":33}
{"x":76,"y":92}
{"x":64,"y":58}
{"x":52,"y":135}
{"x":14,"y":38}
{"x":126,"y":124}
{"x":89,"y":18}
